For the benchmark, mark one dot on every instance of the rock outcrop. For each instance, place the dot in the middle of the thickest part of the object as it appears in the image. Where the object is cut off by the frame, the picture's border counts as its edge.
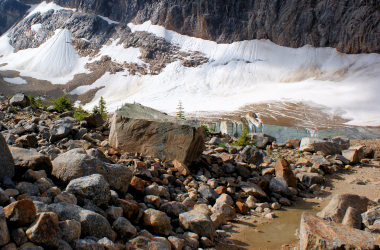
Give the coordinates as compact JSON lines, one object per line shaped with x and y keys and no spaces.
{"x":11,"y":11}
{"x":7,"y":168}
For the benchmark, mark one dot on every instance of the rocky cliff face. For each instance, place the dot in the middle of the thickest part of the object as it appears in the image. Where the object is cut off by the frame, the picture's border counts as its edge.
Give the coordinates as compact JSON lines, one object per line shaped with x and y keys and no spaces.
{"x":351,"y":26}
{"x":11,"y":11}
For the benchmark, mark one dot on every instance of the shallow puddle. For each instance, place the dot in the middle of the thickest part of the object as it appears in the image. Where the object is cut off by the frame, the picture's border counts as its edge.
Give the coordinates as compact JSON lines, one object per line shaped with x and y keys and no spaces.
{"x":258,"y":233}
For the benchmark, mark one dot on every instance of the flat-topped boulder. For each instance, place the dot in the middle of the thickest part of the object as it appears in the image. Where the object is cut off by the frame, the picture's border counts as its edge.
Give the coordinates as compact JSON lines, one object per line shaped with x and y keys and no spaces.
{"x":139,"y":129}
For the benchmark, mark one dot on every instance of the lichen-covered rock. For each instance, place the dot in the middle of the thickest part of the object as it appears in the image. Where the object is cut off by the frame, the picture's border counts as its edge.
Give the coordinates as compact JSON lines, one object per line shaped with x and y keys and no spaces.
{"x":70,"y":229}
{"x":21,"y":212}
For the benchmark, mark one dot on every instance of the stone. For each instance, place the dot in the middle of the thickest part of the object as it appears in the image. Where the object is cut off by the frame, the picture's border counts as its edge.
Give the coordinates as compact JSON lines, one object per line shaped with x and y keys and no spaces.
{"x":94,"y":120}
{"x":25,"y":159}
{"x":30,"y":246}
{"x":278,"y":185}
{"x":27,"y":141}
{"x":124,"y":228}
{"x":114,"y":212}
{"x":61,"y":129}
{"x":261,"y":140}
{"x":84,"y":244}
{"x":215,"y":141}
{"x":22,"y":212}
{"x":92,"y":224}
{"x":130,"y":209}
{"x":309,"y":144}
{"x":158,"y":221}
{"x":20,"y":100}
{"x":310,"y":178}
{"x":181,"y":168}
{"x":251,"y":202}
{"x":198,"y":223}
{"x":221,"y":190}
{"x":173,"y":208}
{"x":153,"y":200}
{"x":4,"y":197}
{"x":7,"y":168}
{"x":202,"y":208}
{"x":336,"y":208}
{"x":242,"y":207}
{"x":293,"y":143}
{"x":31,"y":175}
{"x":93,"y":187}
{"x":284,"y":170}
{"x":63,"y":245}
{"x":177,"y":243}
{"x":218,"y":219}
{"x":352,"y":155}
{"x":76,"y":163}
{"x":4,"y":233}
{"x":254,"y":190}
{"x":251,"y":155}
{"x":147,"y":243}
{"x":65,"y":197}
{"x":173,"y":142}
{"x":70,"y":230}
{"x":352,"y":218}
{"x":371,"y":216}
{"x":19,"y":236}
{"x":138,"y":184}
{"x":207,"y":193}
{"x":27,"y":188}
{"x":158,"y":190}
{"x":316,"y":233}
{"x":45,"y":230}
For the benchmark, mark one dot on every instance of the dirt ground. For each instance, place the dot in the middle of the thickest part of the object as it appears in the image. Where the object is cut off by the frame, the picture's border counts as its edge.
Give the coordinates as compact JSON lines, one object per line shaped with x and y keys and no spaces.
{"x":255,"y":232}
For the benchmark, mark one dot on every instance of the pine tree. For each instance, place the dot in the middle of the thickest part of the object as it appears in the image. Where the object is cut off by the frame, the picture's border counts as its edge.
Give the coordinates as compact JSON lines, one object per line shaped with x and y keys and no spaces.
{"x":100,"y":108}
{"x":180,"y":112}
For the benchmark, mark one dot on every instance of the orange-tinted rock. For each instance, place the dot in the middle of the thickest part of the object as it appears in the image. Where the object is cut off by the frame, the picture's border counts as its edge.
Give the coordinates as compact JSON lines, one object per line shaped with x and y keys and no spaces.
{"x":138,"y":183}
{"x":130,"y":209}
{"x":242,"y":207}
{"x":220,"y":190}
{"x":283,"y":170}
{"x":45,"y":230}
{"x":181,"y":168}
{"x":21,"y":212}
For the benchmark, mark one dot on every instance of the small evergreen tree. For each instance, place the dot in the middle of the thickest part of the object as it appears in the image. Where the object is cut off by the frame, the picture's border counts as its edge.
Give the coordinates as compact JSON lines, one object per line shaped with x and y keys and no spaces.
{"x":100,"y":108}
{"x":62,"y":104}
{"x":180,"y":111}
{"x":244,"y":138}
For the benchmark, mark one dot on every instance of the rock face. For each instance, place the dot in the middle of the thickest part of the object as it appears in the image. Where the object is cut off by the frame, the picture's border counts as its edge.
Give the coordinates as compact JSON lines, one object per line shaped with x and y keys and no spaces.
{"x":164,"y":140}
{"x":11,"y":11}
{"x":351,"y":27}
{"x":315,"y":233}
{"x":7,"y":168}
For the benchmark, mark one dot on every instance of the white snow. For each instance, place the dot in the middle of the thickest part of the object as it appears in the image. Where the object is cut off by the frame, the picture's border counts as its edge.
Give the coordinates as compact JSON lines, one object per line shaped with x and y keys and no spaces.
{"x":55,"y":60}
{"x":15,"y":80}
{"x":109,"y":21}
{"x":44,"y":7}
{"x":249,"y":72}
{"x":36,"y":27}
{"x":5,"y":47}
{"x":120,"y":54}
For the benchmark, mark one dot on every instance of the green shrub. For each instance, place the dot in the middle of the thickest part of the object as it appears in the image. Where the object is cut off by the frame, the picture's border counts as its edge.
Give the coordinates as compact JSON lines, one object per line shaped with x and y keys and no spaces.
{"x":221,"y":145}
{"x":62,"y":104}
{"x":244,"y":138}
{"x":80,"y":114}
{"x":180,"y":111}
{"x":36,"y":102}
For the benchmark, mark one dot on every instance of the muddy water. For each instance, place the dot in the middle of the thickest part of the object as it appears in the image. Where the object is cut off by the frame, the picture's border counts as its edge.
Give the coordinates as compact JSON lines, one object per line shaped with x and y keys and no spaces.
{"x":258,"y":233}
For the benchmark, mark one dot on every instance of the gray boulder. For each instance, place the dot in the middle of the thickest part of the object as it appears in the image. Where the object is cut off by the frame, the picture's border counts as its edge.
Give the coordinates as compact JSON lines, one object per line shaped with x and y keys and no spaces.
{"x":198,"y":223}
{"x":7,"y":168}
{"x":124,"y":228}
{"x":61,"y":129}
{"x":158,"y":221}
{"x":76,"y":163}
{"x":261,"y":140}
{"x":20,"y":100}
{"x":92,"y":224}
{"x":30,"y":159}
{"x":93,"y":187}
{"x":252,"y":155}
{"x":309,"y":144}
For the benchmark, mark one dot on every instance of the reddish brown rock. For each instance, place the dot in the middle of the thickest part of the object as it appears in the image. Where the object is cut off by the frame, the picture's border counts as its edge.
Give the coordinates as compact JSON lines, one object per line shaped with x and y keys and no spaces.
{"x":45,"y":230}
{"x":181,"y":168}
{"x":138,"y":183}
{"x":242,"y":207}
{"x":221,"y":190}
{"x":21,"y":212}
{"x":316,"y":233}
{"x":130,"y":209}
{"x":283,"y":170}
{"x":293,"y":143}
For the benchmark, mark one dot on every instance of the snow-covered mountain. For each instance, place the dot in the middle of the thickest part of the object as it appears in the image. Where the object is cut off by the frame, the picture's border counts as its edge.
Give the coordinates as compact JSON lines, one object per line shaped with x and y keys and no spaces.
{"x":56,"y":47}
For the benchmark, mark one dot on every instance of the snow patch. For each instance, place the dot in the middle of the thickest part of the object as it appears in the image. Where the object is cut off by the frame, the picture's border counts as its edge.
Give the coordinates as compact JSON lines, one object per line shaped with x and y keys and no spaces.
{"x":44,"y":7}
{"x":36,"y":27}
{"x":109,"y":21}
{"x":120,"y":54}
{"x":16,"y":80}
{"x":5,"y":47}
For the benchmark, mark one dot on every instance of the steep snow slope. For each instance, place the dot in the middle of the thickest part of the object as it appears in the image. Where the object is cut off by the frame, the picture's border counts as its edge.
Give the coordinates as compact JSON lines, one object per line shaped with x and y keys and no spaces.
{"x":251,"y":72}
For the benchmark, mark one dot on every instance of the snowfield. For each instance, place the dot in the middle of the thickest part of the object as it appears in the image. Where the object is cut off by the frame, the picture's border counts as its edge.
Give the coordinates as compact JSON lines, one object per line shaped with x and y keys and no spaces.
{"x":237,"y":74}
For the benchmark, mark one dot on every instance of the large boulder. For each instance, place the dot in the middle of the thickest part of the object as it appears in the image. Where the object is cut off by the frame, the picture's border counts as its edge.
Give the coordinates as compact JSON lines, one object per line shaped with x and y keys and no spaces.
{"x":284,"y":170}
{"x":20,"y":100}
{"x":198,"y":223}
{"x":251,"y":154}
{"x":30,"y":159}
{"x":76,"y":163}
{"x":261,"y":140}
{"x":336,"y":209}
{"x":61,"y":129}
{"x":92,"y":224}
{"x":309,"y":144}
{"x":7,"y":168}
{"x":45,"y":230}
{"x":157,"y":135}
{"x":316,"y":233}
